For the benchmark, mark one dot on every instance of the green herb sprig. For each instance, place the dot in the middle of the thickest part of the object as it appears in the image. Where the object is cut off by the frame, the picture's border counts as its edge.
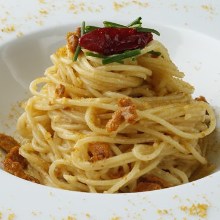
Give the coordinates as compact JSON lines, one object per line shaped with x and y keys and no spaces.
{"x":122,"y":56}
{"x":140,"y":29}
{"x":136,"y":24}
{"x":112,"y":24}
{"x":90,"y":28}
{"x":91,"y":54}
{"x":78,"y":48}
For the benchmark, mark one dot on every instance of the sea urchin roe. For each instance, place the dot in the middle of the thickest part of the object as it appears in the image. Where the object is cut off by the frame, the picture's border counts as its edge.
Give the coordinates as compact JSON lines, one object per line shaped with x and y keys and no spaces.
{"x":126,"y":112}
{"x":15,"y":164}
{"x":108,"y":40}
{"x":99,"y":151}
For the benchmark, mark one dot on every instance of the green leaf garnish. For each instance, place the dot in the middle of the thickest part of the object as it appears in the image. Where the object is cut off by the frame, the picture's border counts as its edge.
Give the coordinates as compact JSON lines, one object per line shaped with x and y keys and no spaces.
{"x":112,"y":24}
{"x":154,"y":53}
{"x":122,"y":56}
{"x":148,"y":30}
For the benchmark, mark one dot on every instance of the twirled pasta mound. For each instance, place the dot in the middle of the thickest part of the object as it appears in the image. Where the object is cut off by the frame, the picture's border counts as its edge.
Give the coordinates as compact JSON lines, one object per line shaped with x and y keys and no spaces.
{"x":120,"y":127}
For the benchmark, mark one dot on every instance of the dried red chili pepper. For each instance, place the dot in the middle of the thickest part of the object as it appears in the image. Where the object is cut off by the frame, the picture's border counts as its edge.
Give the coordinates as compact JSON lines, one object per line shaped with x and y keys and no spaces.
{"x":108,"y":40}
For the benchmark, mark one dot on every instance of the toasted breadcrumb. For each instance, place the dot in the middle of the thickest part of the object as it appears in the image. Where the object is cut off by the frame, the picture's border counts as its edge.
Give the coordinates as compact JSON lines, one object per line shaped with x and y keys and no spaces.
{"x":8,"y":29}
{"x":117,"y":6}
{"x":88,"y":215}
{"x":196,"y":210}
{"x":70,"y":218}
{"x":11,"y":216}
{"x":201,"y":98}
{"x":15,"y":164}
{"x":147,"y":186}
{"x":126,"y":112}
{"x":99,"y":151}
{"x":72,"y":6}
{"x":3,"y":20}
{"x":208,"y":8}
{"x":7,"y":142}
{"x":60,"y":91}
{"x":72,"y":39}
{"x":61,"y":52}
{"x":162,"y":211}
{"x":150,"y":183}
{"x":43,"y":11}
{"x":19,"y":34}
{"x":116,"y":174}
{"x":115,"y":218}
{"x":39,"y":22}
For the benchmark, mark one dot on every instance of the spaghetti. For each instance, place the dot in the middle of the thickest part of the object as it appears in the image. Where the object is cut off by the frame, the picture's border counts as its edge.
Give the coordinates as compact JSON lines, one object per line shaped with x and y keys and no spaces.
{"x":120,"y":127}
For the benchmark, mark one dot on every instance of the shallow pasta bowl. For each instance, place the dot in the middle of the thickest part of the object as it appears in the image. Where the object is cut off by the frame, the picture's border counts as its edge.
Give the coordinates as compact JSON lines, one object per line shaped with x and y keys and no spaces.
{"x":189,"y":31}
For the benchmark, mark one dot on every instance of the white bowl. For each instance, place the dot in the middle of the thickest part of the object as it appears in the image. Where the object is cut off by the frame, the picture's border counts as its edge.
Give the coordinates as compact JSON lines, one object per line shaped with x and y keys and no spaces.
{"x":191,"y":33}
